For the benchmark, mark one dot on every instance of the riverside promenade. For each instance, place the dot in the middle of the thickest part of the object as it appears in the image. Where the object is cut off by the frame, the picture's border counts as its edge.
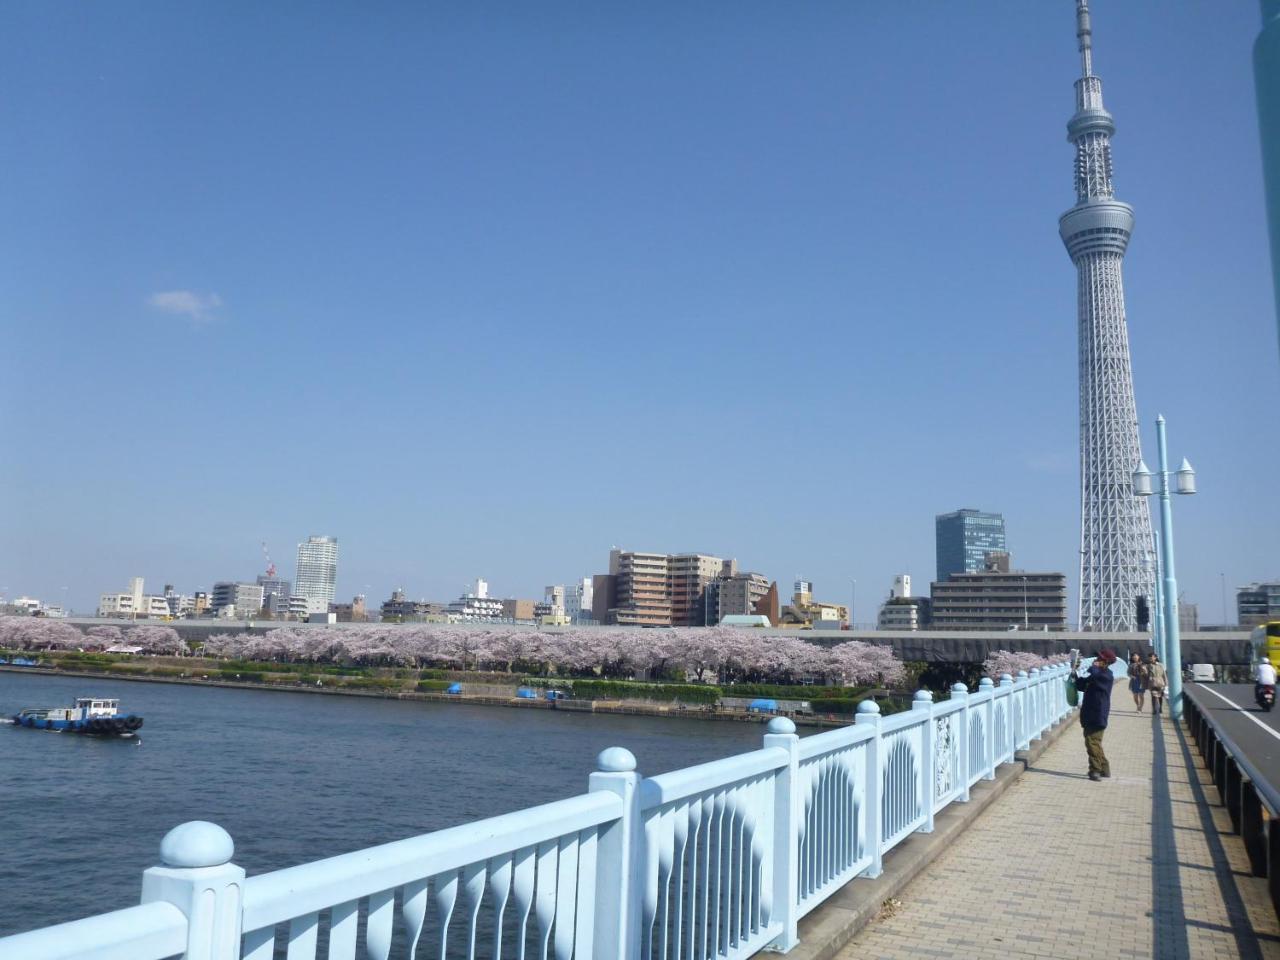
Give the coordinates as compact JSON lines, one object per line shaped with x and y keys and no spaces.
{"x":1142,"y":865}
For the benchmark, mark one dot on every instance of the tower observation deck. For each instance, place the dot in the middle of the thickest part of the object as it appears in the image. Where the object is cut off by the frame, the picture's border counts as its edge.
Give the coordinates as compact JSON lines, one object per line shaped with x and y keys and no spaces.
{"x":1116,"y":545}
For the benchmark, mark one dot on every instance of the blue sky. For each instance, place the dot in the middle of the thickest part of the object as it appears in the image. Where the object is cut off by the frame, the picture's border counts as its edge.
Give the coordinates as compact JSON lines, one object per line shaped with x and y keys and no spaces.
{"x":487,"y":290}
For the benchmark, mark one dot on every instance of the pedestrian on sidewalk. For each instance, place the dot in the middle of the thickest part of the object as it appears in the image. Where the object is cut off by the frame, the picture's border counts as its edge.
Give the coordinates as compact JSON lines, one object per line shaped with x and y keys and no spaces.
{"x":1139,"y":680}
{"x":1095,"y":710}
{"x":1158,"y":682}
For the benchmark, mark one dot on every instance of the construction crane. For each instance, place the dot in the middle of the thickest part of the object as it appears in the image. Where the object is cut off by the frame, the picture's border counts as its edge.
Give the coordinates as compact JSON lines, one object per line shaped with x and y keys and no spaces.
{"x":271,"y":567}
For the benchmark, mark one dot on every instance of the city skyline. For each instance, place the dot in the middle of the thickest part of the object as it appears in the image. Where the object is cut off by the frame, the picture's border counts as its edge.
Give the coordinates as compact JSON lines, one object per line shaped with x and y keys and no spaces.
{"x":731,"y":243}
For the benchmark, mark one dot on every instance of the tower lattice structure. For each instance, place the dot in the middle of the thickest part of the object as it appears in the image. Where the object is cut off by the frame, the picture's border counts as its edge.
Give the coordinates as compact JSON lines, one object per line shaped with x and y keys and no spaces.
{"x":1115,"y":526}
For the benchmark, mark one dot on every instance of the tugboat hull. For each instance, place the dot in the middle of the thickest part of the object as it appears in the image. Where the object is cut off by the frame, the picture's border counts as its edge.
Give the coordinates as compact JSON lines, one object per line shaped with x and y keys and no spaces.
{"x":126,"y":726}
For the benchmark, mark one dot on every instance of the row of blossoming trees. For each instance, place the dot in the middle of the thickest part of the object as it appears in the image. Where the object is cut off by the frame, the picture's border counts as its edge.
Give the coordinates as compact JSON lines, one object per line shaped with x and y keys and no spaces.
{"x":728,"y":653}
{"x":40,"y":633}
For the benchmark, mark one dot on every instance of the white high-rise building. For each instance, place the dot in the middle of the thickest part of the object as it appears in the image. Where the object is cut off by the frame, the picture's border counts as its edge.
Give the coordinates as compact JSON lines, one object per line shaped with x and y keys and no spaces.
{"x":317,"y":575}
{"x":901,"y":586}
{"x":577,"y":600}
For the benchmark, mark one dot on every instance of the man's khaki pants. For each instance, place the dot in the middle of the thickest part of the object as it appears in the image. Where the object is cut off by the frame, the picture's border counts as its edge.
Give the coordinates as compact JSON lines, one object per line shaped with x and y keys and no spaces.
{"x":1093,"y":745}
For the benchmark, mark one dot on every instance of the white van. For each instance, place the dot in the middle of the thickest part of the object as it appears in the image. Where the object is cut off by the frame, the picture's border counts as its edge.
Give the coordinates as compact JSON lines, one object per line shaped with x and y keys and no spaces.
{"x":1202,"y":672}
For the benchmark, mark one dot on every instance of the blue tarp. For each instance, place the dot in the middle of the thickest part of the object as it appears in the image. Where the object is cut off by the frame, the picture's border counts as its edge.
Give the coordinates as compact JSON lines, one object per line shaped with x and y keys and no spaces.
{"x":763,"y":706}
{"x":454,"y":688}
{"x":524,"y":693}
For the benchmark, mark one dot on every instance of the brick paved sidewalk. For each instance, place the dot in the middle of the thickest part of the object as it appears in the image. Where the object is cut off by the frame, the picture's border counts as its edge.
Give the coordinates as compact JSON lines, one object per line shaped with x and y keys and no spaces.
{"x":1142,"y":865}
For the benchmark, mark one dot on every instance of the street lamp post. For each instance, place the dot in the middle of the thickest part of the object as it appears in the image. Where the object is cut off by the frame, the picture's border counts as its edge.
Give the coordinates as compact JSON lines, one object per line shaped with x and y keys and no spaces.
{"x":1185,"y":482}
{"x":1157,"y":614}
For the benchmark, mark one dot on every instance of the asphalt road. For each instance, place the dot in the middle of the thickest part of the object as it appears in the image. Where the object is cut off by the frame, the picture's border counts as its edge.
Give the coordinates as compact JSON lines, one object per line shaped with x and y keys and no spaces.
{"x":1230,"y":706}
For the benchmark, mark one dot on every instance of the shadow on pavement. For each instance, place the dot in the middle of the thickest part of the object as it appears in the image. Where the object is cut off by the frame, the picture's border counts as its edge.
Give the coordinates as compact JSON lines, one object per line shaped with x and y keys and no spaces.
{"x":1165,"y":866}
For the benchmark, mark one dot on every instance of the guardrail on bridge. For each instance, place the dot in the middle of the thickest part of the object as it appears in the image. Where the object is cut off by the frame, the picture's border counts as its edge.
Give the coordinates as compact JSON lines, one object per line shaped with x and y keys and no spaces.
{"x":718,"y":860}
{"x":1244,"y":791}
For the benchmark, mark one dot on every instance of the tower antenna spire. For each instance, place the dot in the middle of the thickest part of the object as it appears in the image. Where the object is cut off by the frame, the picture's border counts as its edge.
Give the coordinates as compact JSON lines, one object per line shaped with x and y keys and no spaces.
{"x":1084,"y":34}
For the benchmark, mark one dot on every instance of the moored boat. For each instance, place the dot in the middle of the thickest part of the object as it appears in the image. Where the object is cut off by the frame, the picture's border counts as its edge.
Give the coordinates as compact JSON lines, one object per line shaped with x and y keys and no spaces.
{"x":91,"y":716}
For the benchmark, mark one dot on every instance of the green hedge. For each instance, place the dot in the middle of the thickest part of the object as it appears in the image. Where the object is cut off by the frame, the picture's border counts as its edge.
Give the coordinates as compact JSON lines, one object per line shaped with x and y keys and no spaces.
{"x":434,"y":686}
{"x":370,"y":683}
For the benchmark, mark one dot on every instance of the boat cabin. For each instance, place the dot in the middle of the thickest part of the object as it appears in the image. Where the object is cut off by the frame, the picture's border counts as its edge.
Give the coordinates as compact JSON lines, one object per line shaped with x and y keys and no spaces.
{"x":87,"y":707}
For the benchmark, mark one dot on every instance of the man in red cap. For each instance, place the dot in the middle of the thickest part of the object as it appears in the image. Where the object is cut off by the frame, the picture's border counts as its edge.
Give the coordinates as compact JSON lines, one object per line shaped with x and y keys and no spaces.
{"x":1095,"y":710}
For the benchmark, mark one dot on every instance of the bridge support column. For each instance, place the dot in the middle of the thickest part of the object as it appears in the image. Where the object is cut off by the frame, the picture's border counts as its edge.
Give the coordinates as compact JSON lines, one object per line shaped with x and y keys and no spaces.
{"x":923,"y":703}
{"x":617,"y":926}
{"x":961,"y":692}
{"x":788,"y":808}
{"x":199,"y":878}
{"x":869,"y":713}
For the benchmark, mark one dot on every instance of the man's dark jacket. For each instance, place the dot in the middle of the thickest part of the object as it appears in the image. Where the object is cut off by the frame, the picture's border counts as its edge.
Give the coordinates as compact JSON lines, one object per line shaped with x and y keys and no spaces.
{"x":1095,"y":705}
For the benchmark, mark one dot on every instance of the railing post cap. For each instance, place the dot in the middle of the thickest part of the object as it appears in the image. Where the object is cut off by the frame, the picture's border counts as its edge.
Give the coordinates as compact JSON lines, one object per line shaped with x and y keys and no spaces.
{"x":868,"y":706}
{"x":1035,"y":671}
{"x":958,"y":687}
{"x":986,"y":682}
{"x":1022,"y":674}
{"x":923,"y":696}
{"x":197,"y":843}
{"x":781,"y":725}
{"x":616,"y":760}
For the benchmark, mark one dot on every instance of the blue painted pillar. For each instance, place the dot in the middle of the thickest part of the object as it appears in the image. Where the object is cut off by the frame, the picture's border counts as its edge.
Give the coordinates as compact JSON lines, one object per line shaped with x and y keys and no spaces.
{"x":1172,"y":633}
{"x":1266,"y":75}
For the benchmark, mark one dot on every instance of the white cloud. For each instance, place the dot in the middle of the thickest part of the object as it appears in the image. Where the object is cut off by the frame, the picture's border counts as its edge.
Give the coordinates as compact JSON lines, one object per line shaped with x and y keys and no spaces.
{"x":196,"y":307}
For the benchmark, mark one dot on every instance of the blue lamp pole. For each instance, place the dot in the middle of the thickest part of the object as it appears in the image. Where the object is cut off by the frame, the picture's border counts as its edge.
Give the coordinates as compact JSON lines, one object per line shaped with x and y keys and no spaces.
{"x":1185,"y":482}
{"x":1157,"y":615}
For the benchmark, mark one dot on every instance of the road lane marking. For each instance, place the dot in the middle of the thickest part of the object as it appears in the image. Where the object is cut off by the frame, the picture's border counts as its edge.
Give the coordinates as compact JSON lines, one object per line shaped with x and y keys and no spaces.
{"x":1236,"y":706}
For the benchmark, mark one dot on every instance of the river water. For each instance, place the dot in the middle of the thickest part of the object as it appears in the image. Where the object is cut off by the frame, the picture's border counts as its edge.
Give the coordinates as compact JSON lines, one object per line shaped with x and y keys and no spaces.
{"x":292,"y":777}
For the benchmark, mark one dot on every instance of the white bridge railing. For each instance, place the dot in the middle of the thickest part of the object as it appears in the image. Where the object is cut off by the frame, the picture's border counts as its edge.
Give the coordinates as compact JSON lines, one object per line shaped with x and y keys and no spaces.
{"x":714,"y":861}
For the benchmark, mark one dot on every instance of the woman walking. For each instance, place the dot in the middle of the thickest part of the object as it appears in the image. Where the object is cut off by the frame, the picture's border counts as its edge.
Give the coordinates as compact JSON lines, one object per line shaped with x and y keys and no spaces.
{"x":1157,"y":680}
{"x":1138,"y":680}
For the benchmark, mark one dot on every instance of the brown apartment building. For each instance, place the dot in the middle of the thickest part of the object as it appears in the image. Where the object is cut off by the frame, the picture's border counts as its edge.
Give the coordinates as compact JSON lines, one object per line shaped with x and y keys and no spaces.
{"x":658,"y":589}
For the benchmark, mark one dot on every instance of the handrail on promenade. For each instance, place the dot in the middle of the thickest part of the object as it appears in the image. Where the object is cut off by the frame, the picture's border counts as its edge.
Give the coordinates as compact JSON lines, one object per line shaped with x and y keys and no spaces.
{"x":1251,"y":800}
{"x":711,"y":862}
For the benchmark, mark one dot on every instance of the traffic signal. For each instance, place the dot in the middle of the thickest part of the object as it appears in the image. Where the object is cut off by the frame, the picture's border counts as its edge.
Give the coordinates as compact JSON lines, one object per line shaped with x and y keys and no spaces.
{"x":1144,"y":613}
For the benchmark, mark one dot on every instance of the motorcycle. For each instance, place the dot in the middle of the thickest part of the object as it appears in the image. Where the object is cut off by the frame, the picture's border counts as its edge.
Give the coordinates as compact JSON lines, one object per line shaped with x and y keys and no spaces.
{"x":1265,"y":694}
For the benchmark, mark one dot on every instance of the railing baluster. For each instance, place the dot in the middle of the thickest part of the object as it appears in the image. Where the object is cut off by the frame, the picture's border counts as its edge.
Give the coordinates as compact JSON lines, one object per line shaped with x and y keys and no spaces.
{"x":666,"y":866}
{"x":544,"y":897}
{"x":584,"y":926}
{"x":697,"y":843}
{"x":680,"y":843}
{"x":303,"y":932}
{"x":499,"y":891}
{"x":522,"y":895}
{"x":446,"y":898}
{"x":566,"y":893}
{"x":344,"y":920}
{"x":378,"y":925}
{"x":260,"y":944}
{"x":473,"y":882}
{"x":413,"y":912}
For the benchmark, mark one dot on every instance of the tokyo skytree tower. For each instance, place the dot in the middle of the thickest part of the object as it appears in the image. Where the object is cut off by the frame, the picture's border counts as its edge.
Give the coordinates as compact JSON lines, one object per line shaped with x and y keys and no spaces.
{"x":1115,"y":526}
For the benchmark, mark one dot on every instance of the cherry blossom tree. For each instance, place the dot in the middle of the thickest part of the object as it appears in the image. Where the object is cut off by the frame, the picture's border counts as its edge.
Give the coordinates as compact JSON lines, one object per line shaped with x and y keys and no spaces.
{"x":1010,"y":662}
{"x":154,"y":639}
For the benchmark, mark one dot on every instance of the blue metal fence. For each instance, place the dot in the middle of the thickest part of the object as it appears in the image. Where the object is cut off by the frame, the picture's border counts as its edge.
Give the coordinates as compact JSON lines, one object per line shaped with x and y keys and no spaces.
{"x":714,"y":861}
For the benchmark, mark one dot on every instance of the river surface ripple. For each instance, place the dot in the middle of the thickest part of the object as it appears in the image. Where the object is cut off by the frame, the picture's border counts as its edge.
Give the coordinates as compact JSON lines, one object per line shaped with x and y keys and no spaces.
{"x":292,"y":777}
